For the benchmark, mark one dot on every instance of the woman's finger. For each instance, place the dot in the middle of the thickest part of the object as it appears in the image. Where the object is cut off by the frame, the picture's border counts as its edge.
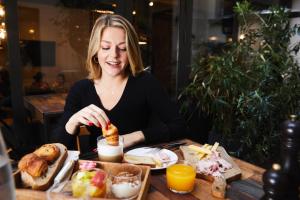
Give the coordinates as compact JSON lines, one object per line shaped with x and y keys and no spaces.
{"x":84,"y":121}
{"x":90,"y":117}
{"x":103,"y":119}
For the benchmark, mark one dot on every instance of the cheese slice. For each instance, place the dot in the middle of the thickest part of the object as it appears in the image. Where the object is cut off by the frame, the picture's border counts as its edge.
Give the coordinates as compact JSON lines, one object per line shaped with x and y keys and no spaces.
{"x":199,"y":149}
{"x":214,"y":148}
{"x":201,"y":155}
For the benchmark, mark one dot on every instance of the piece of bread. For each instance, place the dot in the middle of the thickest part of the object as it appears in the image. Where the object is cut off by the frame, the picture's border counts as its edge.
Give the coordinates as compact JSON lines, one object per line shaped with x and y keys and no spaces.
{"x":49,"y":152}
{"x":44,"y":182}
{"x":111,"y":135}
{"x":33,"y":165}
{"x":139,"y":160}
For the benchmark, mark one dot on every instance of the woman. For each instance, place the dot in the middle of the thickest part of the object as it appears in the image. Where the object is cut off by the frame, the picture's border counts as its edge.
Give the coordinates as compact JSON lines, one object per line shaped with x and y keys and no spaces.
{"x":119,"y":91}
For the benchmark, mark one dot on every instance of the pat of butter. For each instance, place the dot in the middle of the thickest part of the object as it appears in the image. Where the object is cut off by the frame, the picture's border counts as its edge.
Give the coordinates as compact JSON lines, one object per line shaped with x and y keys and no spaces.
{"x":157,"y":161}
{"x":199,"y":149}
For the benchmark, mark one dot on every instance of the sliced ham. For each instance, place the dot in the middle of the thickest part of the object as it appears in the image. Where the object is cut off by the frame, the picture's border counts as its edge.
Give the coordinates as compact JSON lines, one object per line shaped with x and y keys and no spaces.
{"x":214,"y":166}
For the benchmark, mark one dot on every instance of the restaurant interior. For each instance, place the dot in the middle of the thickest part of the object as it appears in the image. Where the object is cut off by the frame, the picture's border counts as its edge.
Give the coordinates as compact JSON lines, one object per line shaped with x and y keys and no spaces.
{"x":43,"y":47}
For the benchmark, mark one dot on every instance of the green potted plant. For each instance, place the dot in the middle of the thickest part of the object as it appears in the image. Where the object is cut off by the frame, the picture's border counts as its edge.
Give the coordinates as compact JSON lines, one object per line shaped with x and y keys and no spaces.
{"x":252,"y":86}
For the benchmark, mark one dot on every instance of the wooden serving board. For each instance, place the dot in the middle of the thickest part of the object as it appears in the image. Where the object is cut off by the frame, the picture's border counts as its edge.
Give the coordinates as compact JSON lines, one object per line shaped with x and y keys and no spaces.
{"x":46,"y":181}
{"x":22,"y":193}
{"x":231,"y":174}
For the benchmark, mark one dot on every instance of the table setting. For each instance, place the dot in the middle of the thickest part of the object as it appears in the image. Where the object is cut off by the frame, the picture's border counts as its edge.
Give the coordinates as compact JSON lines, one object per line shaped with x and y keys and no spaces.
{"x":177,"y":170}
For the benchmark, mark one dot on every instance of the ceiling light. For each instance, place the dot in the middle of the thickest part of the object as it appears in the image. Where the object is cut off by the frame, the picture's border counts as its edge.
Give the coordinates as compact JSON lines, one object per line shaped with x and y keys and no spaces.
{"x":104,"y":11}
{"x":213,"y":38}
{"x":134,"y":12}
{"x":31,"y":31}
{"x":2,"y":34}
{"x":151,"y":3}
{"x":114,"y":5}
{"x":2,"y":12}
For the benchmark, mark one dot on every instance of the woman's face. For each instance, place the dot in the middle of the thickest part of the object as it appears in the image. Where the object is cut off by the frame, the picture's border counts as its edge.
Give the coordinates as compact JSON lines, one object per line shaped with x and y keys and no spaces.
{"x":112,"y":55}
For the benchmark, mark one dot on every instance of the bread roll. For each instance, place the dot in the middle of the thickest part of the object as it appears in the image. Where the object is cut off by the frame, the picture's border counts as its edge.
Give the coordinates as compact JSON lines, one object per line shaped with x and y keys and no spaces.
{"x":49,"y":152}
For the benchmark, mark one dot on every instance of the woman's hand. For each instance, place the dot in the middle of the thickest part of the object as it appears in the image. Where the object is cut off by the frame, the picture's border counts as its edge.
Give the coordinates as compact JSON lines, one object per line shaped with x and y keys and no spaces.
{"x":133,"y":138}
{"x":90,"y":115}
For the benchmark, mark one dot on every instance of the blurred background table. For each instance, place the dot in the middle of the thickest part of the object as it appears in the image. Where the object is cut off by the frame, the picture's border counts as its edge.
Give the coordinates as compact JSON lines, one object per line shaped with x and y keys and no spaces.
{"x":45,"y":108}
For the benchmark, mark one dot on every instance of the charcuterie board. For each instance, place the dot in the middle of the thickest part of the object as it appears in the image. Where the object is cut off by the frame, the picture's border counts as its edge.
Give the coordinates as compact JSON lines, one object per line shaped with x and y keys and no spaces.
{"x":231,"y":174}
{"x":219,"y":183}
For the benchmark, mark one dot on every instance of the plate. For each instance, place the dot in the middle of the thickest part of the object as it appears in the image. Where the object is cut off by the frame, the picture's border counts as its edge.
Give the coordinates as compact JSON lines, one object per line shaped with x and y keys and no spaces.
{"x":146,"y":151}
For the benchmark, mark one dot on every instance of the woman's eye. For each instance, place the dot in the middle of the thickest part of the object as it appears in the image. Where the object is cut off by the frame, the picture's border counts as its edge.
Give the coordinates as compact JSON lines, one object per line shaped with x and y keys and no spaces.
{"x":123,"y":49}
{"x":105,"y":48}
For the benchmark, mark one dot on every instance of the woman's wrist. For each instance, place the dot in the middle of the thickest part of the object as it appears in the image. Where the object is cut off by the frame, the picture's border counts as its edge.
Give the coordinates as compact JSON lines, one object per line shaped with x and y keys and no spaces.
{"x":133,"y":138}
{"x":71,"y":125}
{"x":139,"y":136}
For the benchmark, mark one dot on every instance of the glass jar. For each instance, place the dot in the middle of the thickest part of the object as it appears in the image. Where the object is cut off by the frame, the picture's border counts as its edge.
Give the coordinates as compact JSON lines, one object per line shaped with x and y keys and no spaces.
{"x":109,"y":153}
{"x":7,"y":184}
{"x":89,"y":183}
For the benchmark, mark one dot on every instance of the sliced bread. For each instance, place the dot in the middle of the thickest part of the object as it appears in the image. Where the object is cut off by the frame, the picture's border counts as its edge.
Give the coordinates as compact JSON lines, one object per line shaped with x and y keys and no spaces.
{"x":139,"y":160}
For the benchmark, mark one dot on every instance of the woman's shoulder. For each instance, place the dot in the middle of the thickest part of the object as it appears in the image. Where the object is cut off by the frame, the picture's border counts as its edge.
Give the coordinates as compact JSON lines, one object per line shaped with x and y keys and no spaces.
{"x":145,"y":77}
{"x":82,"y":85}
{"x":147,"y":82}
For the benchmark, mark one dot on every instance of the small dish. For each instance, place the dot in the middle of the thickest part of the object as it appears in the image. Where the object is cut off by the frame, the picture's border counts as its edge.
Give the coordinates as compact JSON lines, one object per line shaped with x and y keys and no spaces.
{"x":125,"y":181}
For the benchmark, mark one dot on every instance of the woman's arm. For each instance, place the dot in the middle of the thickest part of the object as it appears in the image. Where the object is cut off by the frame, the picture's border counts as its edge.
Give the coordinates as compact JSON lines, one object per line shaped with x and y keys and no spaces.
{"x":133,"y":138}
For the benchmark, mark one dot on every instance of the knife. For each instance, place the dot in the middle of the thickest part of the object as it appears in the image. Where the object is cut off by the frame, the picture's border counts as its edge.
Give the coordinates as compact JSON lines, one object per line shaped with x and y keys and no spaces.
{"x":171,"y":145}
{"x":174,"y":144}
{"x":63,"y":175}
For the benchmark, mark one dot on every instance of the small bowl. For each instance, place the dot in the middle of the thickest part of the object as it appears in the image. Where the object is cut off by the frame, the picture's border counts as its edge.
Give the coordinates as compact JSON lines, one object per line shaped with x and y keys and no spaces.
{"x":125,"y":181}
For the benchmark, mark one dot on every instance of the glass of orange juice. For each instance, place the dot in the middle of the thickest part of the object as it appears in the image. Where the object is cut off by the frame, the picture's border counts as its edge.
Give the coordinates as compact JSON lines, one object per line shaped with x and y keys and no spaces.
{"x":181,"y":177}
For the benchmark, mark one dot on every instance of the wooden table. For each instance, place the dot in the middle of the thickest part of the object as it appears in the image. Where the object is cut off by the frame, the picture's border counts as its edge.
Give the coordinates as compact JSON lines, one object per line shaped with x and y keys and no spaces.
{"x":44,"y":108}
{"x":248,"y":188}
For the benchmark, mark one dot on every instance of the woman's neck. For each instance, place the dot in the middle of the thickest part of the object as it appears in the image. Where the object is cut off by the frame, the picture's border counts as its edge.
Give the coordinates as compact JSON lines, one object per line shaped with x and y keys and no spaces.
{"x":108,"y":81}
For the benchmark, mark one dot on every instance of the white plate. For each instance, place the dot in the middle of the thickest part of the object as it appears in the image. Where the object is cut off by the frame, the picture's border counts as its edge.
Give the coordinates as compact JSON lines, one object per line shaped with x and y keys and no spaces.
{"x":146,"y":151}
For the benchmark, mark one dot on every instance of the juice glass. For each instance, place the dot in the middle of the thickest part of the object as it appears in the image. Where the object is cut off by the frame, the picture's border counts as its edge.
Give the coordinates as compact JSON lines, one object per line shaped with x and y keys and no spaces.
{"x":181,"y":177}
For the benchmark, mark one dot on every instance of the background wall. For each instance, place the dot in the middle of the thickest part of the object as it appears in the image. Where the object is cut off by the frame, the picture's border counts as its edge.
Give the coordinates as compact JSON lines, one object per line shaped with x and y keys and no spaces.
{"x":68,"y":28}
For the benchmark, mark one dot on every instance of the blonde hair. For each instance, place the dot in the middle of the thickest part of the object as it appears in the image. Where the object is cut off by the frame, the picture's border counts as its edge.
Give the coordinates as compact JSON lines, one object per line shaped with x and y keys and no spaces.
{"x":132,"y":45}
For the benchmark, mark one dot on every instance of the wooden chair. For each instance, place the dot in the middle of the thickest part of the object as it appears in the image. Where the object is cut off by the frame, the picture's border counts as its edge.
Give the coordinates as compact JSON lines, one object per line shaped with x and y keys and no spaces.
{"x":82,"y":132}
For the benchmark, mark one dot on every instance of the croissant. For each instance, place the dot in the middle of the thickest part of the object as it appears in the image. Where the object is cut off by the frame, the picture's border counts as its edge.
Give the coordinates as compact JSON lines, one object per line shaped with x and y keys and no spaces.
{"x":111,"y":135}
{"x":33,"y":165}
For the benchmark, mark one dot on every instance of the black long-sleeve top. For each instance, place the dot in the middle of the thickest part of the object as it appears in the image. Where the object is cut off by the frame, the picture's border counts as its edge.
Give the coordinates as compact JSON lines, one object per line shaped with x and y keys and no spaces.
{"x":144,"y":105}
